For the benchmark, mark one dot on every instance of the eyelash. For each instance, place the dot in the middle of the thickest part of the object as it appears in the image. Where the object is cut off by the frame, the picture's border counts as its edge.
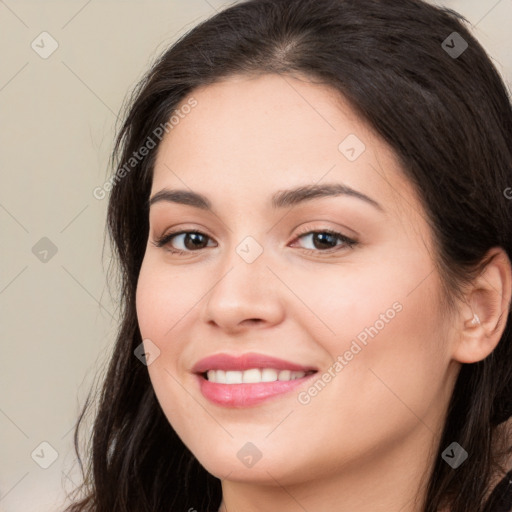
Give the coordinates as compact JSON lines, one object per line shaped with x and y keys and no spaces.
{"x":348,"y":243}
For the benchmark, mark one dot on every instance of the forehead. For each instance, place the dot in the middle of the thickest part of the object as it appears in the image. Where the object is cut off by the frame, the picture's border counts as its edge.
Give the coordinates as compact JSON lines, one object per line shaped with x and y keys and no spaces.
{"x":249,"y":136}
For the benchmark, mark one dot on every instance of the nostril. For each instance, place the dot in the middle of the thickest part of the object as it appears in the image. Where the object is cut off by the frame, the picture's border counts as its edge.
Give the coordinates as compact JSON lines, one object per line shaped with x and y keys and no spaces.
{"x":253,"y":320}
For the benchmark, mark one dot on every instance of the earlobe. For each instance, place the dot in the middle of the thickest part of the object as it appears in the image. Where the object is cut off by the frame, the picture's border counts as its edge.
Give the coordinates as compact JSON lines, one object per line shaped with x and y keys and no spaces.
{"x":484,"y":316}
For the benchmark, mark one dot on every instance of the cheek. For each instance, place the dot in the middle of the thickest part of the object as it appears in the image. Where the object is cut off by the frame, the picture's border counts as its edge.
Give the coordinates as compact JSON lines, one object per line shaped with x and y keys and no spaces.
{"x":398,"y":370}
{"x":148,"y":301}
{"x":162,"y":308}
{"x":166,"y":302}
{"x":385,"y":324}
{"x":163,"y":299}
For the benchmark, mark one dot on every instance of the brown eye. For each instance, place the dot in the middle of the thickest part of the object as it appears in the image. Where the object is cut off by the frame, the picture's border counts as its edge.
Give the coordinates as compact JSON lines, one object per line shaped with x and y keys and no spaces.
{"x":327,"y":241}
{"x":187,"y":241}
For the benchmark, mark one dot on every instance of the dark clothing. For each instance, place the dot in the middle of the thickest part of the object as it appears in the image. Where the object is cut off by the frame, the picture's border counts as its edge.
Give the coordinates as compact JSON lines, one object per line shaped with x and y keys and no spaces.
{"x":501,"y":496}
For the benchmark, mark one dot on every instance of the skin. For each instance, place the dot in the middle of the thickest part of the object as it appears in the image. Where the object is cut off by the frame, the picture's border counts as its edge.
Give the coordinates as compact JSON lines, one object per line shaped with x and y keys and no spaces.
{"x":365,"y":442}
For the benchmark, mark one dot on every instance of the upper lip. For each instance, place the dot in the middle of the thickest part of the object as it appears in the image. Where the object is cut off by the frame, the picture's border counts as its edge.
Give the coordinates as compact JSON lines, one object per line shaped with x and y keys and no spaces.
{"x":245,"y":362}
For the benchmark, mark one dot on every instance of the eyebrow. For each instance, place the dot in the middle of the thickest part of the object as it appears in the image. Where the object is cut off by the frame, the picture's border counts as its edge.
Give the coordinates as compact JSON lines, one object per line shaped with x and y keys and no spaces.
{"x":281,"y":199}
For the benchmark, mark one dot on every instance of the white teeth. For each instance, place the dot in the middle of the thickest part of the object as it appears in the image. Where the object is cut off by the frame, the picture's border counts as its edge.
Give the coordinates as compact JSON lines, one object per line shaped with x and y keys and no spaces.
{"x":284,"y":375}
{"x":268,"y":375}
{"x":233,"y":377}
{"x":252,"y":376}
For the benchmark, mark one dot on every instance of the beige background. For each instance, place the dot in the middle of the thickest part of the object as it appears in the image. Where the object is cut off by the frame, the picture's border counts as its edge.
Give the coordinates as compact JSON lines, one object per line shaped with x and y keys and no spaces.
{"x":58,"y":119}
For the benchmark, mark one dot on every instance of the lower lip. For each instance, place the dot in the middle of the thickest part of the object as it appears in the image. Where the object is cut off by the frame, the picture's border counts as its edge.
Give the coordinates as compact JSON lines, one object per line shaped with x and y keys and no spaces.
{"x":245,"y":395}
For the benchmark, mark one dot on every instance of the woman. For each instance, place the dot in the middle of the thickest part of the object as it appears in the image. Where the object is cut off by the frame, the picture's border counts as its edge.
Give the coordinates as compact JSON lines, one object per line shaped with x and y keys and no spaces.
{"x":312,"y":216}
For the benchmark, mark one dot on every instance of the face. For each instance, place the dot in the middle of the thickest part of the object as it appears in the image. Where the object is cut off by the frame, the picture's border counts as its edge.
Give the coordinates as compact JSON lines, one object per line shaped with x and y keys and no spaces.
{"x":342,"y":285}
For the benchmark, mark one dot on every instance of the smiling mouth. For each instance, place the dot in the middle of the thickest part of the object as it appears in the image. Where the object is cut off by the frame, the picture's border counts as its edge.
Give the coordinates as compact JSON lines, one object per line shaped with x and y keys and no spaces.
{"x":253,"y":375}
{"x":248,"y":388}
{"x":248,"y":379}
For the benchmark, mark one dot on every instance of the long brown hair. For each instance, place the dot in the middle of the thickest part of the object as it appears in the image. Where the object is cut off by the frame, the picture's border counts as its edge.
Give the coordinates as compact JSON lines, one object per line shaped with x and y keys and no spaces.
{"x":448,"y":118}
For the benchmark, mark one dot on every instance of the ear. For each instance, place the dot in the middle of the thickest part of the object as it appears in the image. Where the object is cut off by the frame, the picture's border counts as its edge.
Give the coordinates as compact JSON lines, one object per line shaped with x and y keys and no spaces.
{"x":489,"y":298}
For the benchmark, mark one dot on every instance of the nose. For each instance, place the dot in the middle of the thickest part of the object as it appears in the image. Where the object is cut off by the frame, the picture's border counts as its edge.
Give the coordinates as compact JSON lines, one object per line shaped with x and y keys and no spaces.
{"x":244,"y":295}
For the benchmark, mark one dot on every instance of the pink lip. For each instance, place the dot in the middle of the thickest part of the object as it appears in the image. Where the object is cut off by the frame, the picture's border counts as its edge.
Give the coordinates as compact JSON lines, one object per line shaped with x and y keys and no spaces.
{"x":245,"y":362}
{"x":246,"y":395}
